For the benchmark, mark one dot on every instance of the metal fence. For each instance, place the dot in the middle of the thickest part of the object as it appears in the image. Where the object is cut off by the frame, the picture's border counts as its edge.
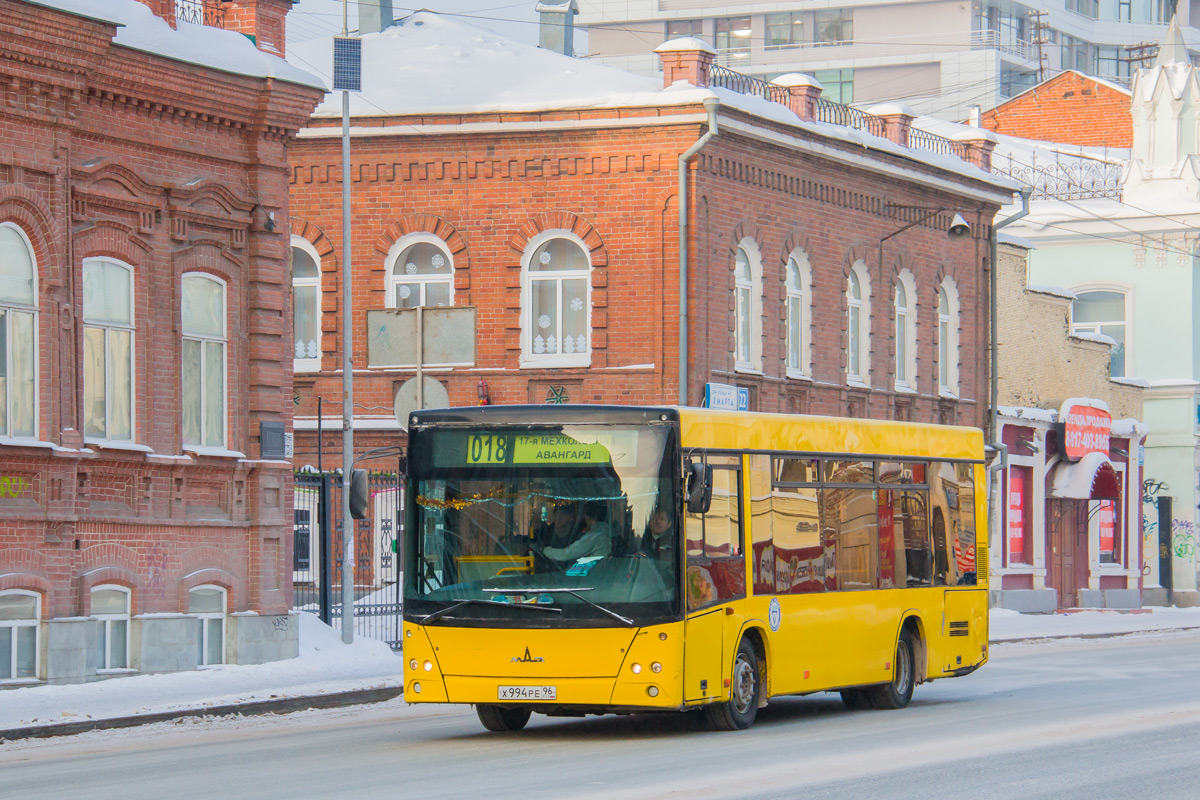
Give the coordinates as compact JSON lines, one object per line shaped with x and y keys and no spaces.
{"x":317,"y":580}
{"x":200,"y":12}
{"x":746,"y":84}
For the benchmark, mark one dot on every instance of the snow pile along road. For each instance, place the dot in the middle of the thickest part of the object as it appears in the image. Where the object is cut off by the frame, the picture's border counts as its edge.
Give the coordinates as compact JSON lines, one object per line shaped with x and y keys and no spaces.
{"x":325,"y":665}
{"x":1006,"y":625}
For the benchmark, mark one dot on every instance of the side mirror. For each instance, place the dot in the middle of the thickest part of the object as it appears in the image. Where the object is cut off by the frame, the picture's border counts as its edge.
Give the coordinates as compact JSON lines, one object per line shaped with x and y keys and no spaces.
{"x":699,"y":488}
{"x":359,"y":495}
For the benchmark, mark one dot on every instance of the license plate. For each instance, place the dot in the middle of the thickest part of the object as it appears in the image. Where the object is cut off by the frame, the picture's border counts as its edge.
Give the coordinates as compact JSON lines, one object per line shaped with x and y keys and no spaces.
{"x":528,"y":692}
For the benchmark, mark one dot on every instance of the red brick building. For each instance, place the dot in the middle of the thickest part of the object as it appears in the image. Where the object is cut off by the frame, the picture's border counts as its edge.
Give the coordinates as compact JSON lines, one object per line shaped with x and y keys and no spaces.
{"x":145,"y":499}
{"x":1070,"y":108}
{"x":553,"y":210}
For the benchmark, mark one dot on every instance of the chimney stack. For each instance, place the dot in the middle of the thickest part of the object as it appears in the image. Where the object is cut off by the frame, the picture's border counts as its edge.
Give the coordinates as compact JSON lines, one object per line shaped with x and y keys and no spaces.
{"x":375,"y":16}
{"x":261,"y":20}
{"x":556,"y":28}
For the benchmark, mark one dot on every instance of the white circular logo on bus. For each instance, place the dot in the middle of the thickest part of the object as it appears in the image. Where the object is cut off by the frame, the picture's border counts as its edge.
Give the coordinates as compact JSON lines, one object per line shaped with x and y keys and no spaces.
{"x":774,"y":614}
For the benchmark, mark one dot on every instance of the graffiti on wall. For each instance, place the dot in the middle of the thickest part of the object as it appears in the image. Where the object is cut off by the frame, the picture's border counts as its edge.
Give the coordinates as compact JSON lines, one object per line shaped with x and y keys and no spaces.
{"x":13,"y":487}
{"x":1183,"y":538}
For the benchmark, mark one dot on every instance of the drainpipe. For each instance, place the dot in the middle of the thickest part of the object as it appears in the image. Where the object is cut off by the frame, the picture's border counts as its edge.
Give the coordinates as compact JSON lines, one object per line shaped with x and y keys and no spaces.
{"x":993,"y":410}
{"x":712,"y":105}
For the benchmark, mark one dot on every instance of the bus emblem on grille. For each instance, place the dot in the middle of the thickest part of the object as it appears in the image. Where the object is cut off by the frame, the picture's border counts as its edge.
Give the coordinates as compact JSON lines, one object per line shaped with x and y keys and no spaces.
{"x":527,"y":659}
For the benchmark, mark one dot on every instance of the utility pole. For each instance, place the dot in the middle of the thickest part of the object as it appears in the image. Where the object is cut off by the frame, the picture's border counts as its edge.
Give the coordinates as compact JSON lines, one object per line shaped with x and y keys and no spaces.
{"x":347,"y":76}
{"x":1142,"y":54}
{"x":1040,"y":38}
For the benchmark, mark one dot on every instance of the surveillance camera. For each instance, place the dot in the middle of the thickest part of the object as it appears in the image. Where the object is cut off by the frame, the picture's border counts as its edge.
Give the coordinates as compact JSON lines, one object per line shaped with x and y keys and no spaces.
{"x":959,"y":229}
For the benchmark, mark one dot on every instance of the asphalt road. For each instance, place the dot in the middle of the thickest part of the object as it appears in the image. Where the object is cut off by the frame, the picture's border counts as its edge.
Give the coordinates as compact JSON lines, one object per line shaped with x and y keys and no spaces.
{"x":1116,"y":718}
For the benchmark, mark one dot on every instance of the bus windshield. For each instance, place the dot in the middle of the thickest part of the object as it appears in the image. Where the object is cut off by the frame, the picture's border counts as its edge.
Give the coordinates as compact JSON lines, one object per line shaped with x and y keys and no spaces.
{"x":578,"y":519}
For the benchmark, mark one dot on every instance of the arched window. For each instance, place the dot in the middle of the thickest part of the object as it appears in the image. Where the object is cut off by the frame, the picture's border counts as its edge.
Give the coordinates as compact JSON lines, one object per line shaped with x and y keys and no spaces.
{"x":947,"y":307}
{"x":1103,"y":312}
{"x":18,"y":334}
{"x":306,"y":306}
{"x":207,"y":603}
{"x":420,"y":273}
{"x":108,"y":347}
{"x":20,"y":613}
{"x":858,"y":324}
{"x":906,"y":338}
{"x":110,"y":605}
{"x":799,"y":292}
{"x":747,"y":282}
{"x":557,"y":302}
{"x":204,"y":361}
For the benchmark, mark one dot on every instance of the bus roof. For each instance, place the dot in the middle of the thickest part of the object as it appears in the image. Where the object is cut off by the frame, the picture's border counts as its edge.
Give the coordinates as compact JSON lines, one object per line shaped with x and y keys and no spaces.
{"x":741,"y":430}
{"x":801,"y":433}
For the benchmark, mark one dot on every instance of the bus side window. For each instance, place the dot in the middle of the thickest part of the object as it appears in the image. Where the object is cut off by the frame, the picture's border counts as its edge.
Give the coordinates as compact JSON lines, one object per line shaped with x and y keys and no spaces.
{"x":849,"y":523}
{"x":952,"y":513}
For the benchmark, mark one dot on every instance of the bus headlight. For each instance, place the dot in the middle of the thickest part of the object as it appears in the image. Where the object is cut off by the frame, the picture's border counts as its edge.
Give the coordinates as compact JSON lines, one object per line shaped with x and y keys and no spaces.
{"x":428,"y":666}
{"x":656,"y":667}
{"x":412,"y":664}
{"x":637,"y":668}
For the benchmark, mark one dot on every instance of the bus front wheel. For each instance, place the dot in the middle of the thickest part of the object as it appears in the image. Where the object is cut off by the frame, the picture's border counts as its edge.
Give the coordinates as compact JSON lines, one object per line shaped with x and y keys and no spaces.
{"x":899,"y":692}
{"x":502,"y":720}
{"x":739,"y":713}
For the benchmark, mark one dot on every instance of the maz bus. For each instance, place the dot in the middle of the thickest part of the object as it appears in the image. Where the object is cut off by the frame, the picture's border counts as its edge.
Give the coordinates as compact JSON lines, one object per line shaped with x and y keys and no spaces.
{"x":572,"y":560}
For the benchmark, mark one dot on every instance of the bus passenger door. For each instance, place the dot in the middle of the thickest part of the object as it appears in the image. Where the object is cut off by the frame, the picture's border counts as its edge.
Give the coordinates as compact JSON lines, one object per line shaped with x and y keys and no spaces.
{"x":703,"y":634}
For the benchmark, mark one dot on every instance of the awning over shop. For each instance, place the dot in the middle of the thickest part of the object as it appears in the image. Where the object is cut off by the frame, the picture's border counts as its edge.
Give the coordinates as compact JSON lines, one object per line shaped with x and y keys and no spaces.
{"x":1092,"y":477}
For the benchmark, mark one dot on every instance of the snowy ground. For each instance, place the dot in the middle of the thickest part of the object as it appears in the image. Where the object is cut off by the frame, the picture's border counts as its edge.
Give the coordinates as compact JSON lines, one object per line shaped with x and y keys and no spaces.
{"x":1007,"y":625}
{"x":326,"y":665}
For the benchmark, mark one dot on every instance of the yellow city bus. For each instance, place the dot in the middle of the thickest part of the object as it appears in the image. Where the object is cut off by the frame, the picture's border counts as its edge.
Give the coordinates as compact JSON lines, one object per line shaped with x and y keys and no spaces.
{"x":573,"y":559}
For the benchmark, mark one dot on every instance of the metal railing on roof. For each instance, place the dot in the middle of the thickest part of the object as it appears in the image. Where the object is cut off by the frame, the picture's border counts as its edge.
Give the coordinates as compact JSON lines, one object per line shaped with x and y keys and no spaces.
{"x":200,"y":12}
{"x":1074,"y":179}
{"x":849,"y":117}
{"x":746,"y":84}
{"x":924,"y":140}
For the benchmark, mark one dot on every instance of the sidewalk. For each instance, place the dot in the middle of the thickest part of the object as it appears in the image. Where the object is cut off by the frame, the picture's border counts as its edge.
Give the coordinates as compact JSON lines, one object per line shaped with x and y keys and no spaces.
{"x":329,"y":673}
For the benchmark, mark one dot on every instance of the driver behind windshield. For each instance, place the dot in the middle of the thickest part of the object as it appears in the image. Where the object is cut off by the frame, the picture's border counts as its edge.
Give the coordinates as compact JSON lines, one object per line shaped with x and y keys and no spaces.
{"x":595,"y":539}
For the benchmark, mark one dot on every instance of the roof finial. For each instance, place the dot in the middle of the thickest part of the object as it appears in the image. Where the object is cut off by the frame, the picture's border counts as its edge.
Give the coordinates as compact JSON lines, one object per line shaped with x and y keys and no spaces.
{"x":1172,"y":50}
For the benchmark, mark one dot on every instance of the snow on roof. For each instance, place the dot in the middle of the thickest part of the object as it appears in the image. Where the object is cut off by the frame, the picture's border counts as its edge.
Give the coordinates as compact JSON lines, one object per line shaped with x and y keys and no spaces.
{"x":1129,"y":428}
{"x":1098,"y":338}
{"x":431,"y":64}
{"x":1075,"y":480}
{"x":1126,"y":380}
{"x":685,"y":43}
{"x":1057,"y":291}
{"x":1027,"y":413}
{"x":138,"y":28}
{"x":1004,"y":237}
{"x":1090,"y":402}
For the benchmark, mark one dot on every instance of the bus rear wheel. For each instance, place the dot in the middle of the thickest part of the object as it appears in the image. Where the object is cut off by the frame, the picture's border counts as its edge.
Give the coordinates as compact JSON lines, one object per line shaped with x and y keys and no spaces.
{"x":899,"y":692}
{"x":739,"y":713}
{"x":502,"y":720}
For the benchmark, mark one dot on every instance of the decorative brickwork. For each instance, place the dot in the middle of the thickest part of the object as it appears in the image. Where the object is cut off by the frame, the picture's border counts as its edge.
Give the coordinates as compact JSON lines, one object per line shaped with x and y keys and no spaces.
{"x":168,"y":168}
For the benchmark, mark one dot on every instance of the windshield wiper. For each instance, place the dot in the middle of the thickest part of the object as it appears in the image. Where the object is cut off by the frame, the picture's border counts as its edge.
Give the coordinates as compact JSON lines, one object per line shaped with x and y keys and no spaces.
{"x":574,"y":593}
{"x":450,"y":609}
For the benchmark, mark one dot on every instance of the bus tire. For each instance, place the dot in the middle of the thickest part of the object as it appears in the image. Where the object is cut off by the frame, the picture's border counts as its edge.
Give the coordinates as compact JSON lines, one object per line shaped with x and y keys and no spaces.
{"x":856,"y":699}
{"x":898,"y":692}
{"x":502,"y":720}
{"x":745,"y":688}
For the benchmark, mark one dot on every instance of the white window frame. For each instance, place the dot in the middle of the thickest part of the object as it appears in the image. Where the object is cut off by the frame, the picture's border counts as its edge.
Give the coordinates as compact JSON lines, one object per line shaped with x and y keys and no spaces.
{"x":108,"y":620}
{"x":858,"y":374}
{"x":754,"y":290}
{"x":530,"y":359}
{"x":107,"y":327}
{"x":204,"y":617}
{"x":948,"y":339}
{"x":9,"y":628}
{"x":1094,"y":327}
{"x":307,"y":364}
{"x":205,"y":341}
{"x":906,"y":332}
{"x":798,"y":298}
{"x":393,"y":258}
{"x":6,"y":430}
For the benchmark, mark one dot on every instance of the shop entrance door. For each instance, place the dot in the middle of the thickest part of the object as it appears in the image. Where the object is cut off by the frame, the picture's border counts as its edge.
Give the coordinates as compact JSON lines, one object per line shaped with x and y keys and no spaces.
{"x":1067,"y":549}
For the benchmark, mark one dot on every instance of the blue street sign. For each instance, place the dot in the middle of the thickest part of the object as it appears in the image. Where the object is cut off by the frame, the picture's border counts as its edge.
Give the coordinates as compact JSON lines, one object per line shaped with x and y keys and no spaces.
{"x":726,"y":397}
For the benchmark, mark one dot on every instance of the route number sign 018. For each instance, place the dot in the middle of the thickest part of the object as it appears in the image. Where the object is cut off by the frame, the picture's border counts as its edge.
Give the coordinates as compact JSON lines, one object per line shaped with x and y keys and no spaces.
{"x":487,"y":448}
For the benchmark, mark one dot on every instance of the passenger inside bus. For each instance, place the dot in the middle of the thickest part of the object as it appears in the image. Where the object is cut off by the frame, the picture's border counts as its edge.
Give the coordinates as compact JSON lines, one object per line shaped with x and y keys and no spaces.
{"x":595,"y":541}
